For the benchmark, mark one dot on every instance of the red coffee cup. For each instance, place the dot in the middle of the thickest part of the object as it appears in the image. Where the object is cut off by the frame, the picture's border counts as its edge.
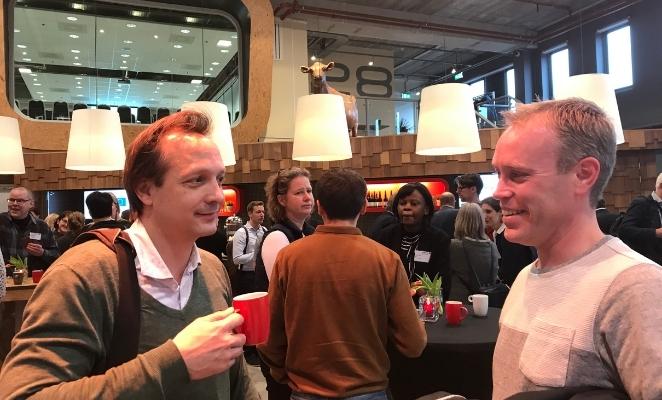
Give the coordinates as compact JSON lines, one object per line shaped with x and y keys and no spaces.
{"x":36,"y":275}
{"x":254,"y":307}
{"x":455,"y":312}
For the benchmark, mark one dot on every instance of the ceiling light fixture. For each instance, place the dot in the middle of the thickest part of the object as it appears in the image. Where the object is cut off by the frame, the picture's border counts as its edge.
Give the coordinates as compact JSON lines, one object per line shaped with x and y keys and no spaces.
{"x":137,"y":13}
{"x":95,"y":141}
{"x":78,"y":78}
{"x":125,"y":55}
{"x":185,"y":30}
{"x":313,"y":58}
{"x":77,"y":64}
{"x":124,"y":67}
{"x":27,"y":59}
{"x":224,"y":51}
{"x":17,"y":31}
{"x":102,"y":31}
{"x":127,"y":41}
{"x":167,"y":71}
{"x":453,"y":70}
{"x":131,"y":25}
{"x":220,"y":130}
{"x":320,"y":129}
{"x":25,"y":70}
{"x":75,"y":51}
{"x":215,"y":63}
{"x":224,"y":43}
{"x":74,"y":36}
{"x":72,"y":18}
{"x":77,"y":6}
{"x":177,"y":46}
{"x":196,"y":81}
{"x":11,"y":161}
{"x":370,"y":63}
{"x":451,"y":103}
{"x":21,"y":46}
{"x":191,"y":20}
{"x":156,"y":36}
{"x":36,"y":84}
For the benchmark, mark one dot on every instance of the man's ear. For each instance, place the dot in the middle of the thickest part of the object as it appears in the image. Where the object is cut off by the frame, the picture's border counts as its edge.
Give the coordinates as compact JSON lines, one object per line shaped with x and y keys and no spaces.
{"x":586,"y":171}
{"x":144,"y":192}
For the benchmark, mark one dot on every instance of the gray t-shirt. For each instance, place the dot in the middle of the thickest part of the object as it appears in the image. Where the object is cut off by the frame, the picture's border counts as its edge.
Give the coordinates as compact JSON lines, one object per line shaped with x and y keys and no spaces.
{"x":594,"y":321}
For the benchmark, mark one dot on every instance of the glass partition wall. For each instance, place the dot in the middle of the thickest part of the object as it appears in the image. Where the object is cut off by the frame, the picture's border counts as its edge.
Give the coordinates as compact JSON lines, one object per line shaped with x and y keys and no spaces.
{"x":144,"y":59}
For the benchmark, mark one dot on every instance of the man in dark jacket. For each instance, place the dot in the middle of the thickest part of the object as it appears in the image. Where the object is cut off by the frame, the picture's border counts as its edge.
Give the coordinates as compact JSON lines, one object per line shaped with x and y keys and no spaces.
{"x":642,"y":224}
{"x":605,"y":218}
{"x":444,"y":218}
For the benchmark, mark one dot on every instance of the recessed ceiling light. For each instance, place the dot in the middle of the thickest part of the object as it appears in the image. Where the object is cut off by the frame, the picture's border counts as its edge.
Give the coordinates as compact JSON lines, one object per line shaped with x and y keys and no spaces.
{"x":41,"y":97}
{"x":102,"y":31}
{"x":74,"y":36}
{"x":77,"y":6}
{"x":131,"y":25}
{"x":215,"y":63}
{"x":159,"y":83}
{"x":156,"y":36}
{"x":75,"y":51}
{"x":36,"y":84}
{"x":123,"y":61}
{"x":17,"y":31}
{"x":191,"y":20}
{"x":125,"y":55}
{"x":128,"y":41}
{"x":418,"y":93}
{"x":370,"y":63}
{"x":79,"y":87}
{"x":211,"y":69}
{"x":78,"y":78}
{"x":35,"y":79}
{"x":224,"y":51}
{"x":77,"y":64}
{"x":80,"y":95}
{"x":167,"y":71}
{"x":224,"y":43}
{"x":152,"y":99}
{"x":207,"y":74}
{"x":234,"y":36}
{"x":156,"y":92}
{"x":72,"y":18}
{"x":25,"y":71}
{"x":40,"y":92}
{"x":118,"y":90}
{"x":177,"y":46}
{"x":124,"y":67}
{"x":25,"y":53}
{"x":196,"y":81}
{"x":21,"y":46}
{"x":27,"y":59}
{"x":313,"y":58}
{"x":137,"y":13}
{"x":185,"y":30}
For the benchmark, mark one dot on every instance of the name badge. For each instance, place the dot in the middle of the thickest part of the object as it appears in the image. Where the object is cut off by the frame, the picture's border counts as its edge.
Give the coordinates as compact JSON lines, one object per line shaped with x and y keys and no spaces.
{"x":35,"y":236}
{"x":422,"y":256}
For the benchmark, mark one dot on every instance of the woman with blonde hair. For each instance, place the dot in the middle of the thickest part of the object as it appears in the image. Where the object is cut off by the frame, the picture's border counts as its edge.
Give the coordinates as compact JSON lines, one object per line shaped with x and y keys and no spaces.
{"x":289,"y":204}
{"x":474,"y":258}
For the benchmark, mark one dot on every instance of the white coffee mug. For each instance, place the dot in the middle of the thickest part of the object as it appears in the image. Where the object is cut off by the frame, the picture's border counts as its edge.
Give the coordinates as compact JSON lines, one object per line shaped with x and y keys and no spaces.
{"x":480,"y":302}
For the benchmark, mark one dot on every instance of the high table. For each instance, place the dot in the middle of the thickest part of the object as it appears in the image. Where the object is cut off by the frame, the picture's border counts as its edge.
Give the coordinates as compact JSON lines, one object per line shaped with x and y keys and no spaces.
{"x":19,"y":292}
{"x":457,"y":359}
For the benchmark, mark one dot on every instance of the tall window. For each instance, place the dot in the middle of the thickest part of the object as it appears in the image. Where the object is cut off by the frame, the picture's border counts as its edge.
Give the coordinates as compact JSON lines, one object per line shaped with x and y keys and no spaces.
{"x":619,"y":56}
{"x":510,"y":82}
{"x":559,"y":65}
{"x":477,"y":88}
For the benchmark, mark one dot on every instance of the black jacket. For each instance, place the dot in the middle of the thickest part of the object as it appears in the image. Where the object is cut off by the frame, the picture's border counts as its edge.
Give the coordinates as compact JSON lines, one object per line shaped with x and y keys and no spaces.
{"x":444,"y":219}
{"x":641,"y":220}
{"x":433,"y":240}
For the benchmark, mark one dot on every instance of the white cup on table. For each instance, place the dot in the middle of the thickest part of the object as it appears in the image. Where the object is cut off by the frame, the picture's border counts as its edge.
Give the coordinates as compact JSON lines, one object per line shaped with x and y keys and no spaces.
{"x":480,"y":303}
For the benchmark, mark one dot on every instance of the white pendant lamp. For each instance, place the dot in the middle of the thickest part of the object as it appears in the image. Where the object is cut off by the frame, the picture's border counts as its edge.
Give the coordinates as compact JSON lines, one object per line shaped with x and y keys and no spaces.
{"x":11,"y":161}
{"x":447,"y":122}
{"x":599,"y":89}
{"x":221,"y":133}
{"x":320,"y":129}
{"x":95,"y":141}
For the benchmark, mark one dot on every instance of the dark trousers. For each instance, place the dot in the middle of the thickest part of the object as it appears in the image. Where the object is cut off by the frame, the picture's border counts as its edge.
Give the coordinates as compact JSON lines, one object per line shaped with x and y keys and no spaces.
{"x":245,"y":282}
{"x":275,"y":390}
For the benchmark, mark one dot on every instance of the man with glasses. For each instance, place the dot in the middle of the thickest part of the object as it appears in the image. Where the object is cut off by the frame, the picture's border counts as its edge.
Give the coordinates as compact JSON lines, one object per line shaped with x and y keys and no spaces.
{"x":469,"y":187}
{"x":24,"y":235}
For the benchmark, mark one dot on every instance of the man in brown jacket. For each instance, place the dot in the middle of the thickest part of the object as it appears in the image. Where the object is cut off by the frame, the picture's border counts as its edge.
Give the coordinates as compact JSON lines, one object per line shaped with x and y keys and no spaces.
{"x":337,"y":298}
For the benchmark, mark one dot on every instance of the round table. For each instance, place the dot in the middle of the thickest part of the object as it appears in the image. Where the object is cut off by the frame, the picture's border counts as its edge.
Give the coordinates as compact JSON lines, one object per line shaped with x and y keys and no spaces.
{"x":457,"y":359}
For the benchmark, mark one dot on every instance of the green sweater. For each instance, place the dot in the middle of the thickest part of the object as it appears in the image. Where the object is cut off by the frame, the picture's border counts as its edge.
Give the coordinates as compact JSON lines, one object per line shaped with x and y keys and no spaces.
{"x":68,"y":325}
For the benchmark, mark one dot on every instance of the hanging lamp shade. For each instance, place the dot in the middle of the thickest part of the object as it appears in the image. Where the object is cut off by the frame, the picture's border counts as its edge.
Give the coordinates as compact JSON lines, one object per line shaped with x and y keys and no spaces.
{"x":11,"y":161}
{"x":320,"y":129}
{"x":221,"y":133}
{"x":447,"y":122}
{"x":599,"y":89}
{"x":95,"y":141}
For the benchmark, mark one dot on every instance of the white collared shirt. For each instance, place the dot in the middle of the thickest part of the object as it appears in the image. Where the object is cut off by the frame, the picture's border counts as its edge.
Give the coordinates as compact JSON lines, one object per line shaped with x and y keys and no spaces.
{"x":500,"y":230}
{"x":154,"y":276}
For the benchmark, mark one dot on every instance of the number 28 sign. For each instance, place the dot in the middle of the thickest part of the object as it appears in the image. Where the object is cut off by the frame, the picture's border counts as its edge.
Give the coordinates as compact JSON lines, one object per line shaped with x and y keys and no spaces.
{"x":367,"y":85}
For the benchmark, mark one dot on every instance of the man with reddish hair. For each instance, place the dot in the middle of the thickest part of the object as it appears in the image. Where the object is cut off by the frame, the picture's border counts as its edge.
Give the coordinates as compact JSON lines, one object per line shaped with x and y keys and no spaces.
{"x":186,"y":345}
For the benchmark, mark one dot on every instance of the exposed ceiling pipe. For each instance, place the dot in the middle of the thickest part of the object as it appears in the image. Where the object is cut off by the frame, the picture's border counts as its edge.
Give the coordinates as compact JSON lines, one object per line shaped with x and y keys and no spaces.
{"x":294,"y":7}
{"x":567,"y":9}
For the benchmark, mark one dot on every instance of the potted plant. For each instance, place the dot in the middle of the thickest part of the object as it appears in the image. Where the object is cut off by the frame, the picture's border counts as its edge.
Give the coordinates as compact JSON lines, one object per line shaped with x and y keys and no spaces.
{"x":20,"y":269}
{"x":430,"y":305}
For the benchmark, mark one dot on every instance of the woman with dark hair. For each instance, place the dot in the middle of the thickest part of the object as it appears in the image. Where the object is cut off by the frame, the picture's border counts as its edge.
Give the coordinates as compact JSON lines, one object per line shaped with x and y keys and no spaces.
{"x":474,"y":258}
{"x":75,"y":223}
{"x":289,"y":204}
{"x":422,"y":247}
{"x":514,"y":256}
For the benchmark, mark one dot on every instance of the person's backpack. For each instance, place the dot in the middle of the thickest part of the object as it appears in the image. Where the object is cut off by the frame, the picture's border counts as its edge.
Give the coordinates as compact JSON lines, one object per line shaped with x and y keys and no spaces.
{"x":126,"y":329}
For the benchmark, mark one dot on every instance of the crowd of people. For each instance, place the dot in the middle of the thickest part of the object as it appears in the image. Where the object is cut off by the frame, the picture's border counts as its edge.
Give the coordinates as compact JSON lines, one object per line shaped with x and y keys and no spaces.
{"x":581,"y":313}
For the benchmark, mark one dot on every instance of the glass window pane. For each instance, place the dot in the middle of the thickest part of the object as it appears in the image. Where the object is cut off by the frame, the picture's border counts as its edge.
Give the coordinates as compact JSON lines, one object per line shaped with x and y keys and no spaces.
{"x":477,"y":88}
{"x":102,"y":55}
{"x":619,"y":55}
{"x":560,"y":66}
{"x":510,"y":82}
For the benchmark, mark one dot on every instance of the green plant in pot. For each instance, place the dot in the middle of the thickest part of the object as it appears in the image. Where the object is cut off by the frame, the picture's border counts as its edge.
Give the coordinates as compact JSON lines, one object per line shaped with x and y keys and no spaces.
{"x":20,"y":269}
{"x":430,"y":304}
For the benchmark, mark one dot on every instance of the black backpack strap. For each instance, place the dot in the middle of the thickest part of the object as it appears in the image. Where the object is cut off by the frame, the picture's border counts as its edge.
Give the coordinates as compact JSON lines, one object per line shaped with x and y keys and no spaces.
{"x":126,"y":329}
